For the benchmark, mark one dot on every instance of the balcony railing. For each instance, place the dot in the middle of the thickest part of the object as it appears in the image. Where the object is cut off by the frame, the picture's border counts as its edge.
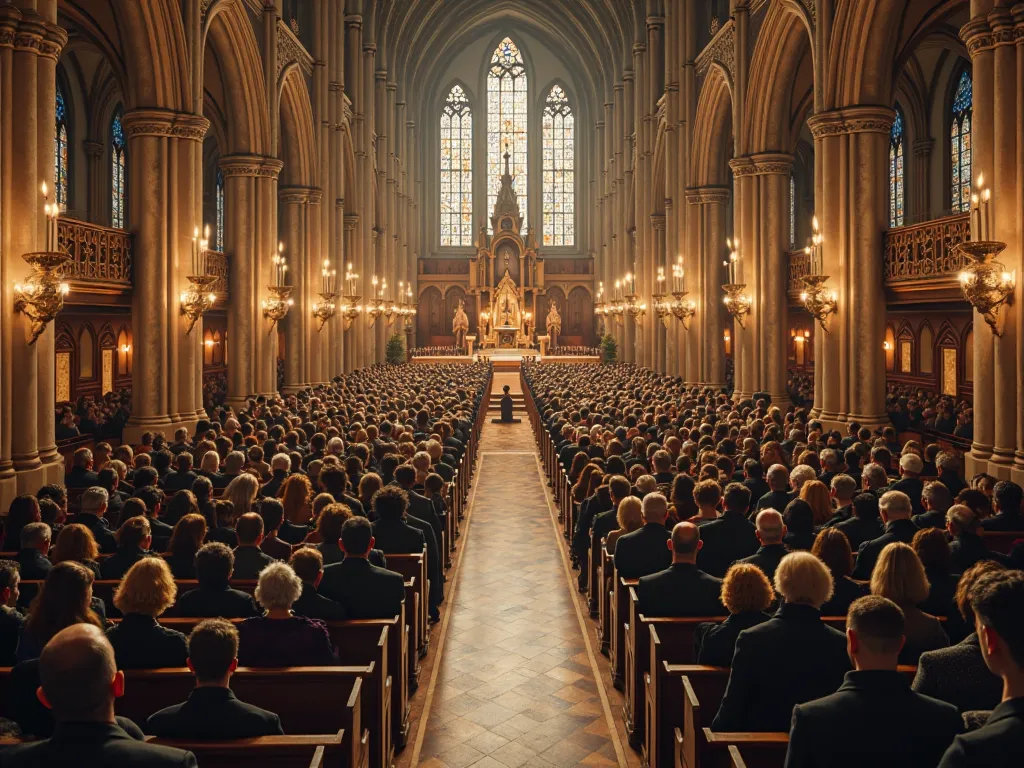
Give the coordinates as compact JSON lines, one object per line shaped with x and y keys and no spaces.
{"x":926,"y":250}
{"x":799,"y":268}
{"x":217,"y":264}
{"x":98,"y":254}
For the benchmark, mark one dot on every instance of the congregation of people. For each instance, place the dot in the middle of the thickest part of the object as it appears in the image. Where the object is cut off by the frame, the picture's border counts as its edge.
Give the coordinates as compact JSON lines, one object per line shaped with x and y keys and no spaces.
{"x":754,"y":512}
{"x":306,"y":495}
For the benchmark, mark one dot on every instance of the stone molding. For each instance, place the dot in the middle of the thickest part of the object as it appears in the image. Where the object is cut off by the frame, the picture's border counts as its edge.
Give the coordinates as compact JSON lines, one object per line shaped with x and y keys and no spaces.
{"x":721,"y":50}
{"x":28,"y":31}
{"x":299,"y":195}
{"x":862,"y":119}
{"x":767,"y":164}
{"x":250,"y":165}
{"x":163,"y":123}
{"x":290,"y":50}
{"x":707,"y":195}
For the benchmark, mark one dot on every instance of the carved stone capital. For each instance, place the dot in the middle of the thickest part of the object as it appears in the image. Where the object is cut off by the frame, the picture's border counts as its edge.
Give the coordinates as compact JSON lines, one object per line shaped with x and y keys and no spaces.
{"x":250,"y":165}
{"x":298,"y":195}
{"x":707,"y":195}
{"x":867,"y":119}
{"x":351,"y":221}
{"x":164,"y":123}
{"x":762,"y":164}
{"x":25,"y":30}
{"x":658,"y":222}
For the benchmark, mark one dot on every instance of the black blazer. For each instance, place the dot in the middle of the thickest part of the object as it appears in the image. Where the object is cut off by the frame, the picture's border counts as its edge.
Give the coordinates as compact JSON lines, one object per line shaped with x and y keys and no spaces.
{"x":873,"y":719}
{"x":714,"y":643}
{"x":967,"y":549}
{"x":117,"y":565}
{"x":313,"y":605}
{"x":726,"y":540}
{"x":179,"y":481}
{"x":1005,"y":522}
{"x":292,"y":533}
{"x":11,"y":623}
{"x":958,"y":675}
{"x":790,"y":659}
{"x":333,"y":554}
{"x":845,"y":591}
{"x":682,"y":589}
{"x":249,"y":561}
{"x":858,"y":530}
{"x":211,"y":602}
{"x":421,"y":507}
{"x":182,"y":566}
{"x":767,"y":557}
{"x":98,"y":528}
{"x":997,"y":744}
{"x":80,"y":477}
{"x":85,"y":745}
{"x":33,"y":564}
{"x":643,"y":552}
{"x":434,"y":572}
{"x":397,"y":537}
{"x":366,"y":591}
{"x":141,"y":643}
{"x":868,"y":552}
{"x":213,"y":713}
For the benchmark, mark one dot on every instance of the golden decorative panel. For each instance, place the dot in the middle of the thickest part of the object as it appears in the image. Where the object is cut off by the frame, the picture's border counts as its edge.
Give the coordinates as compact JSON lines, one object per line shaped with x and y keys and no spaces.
{"x":63,"y":377}
{"x":949,"y":371}
{"x":905,"y":357}
{"x":217,"y":264}
{"x":799,"y":268}
{"x":97,"y":253}
{"x":926,"y":250}
{"x":108,"y":371}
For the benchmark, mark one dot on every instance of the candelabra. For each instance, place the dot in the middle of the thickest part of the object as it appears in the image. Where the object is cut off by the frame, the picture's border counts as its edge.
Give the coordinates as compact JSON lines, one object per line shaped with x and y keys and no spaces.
{"x":276,"y":307}
{"x":818,"y":300}
{"x":350,"y":306}
{"x":985,"y":282}
{"x":197,"y":299}
{"x":325,"y":309}
{"x":636,"y":309}
{"x":616,"y":307}
{"x":736,"y":300}
{"x":662,"y":308}
{"x":375,"y":308}
{"x":41,"y":296}
{"x":684,"y":309}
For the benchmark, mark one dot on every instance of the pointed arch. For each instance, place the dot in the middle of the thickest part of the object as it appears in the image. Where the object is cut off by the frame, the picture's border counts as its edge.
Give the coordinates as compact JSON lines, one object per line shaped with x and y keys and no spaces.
{"x":960,"y":114}
{"x":897,"y":170}
{"x":298,"y":144}
{"x":118,"y":171}
{"x":926,"y":349}
{"x":713,"y":130}
{"x":507,"y":122}
{"x":456,"y":177}
{"x":558,"y":169}
{"x":61,"y":145}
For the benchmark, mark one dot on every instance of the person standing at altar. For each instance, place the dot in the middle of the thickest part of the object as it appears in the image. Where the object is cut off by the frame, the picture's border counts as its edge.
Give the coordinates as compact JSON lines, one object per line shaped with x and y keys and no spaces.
{"x":460,"y":325}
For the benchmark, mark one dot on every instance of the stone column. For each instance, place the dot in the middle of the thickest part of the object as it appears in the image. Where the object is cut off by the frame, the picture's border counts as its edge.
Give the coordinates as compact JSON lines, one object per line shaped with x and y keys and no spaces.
{"x":345,"y":360}
{"x":305,"y":269}
{"x":658,"y":328}
{"x":706,"y":221}
{"x":98,"y":191}
{"x":250,"y":198}
{"x":851,"y":153}
{"x":30,"y":43}
{"x":920,"y":181}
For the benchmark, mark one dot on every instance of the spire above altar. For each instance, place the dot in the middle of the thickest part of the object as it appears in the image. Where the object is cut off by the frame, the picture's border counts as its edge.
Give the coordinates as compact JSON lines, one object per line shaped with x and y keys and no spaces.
{"x":507,"y":216}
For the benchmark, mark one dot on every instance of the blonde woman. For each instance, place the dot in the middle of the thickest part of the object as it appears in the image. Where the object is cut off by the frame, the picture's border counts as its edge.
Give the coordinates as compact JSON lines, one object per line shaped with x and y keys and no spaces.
{"x":899,"y":576}
{"x":630,"y":518}
{"x":241,"y":492}
{"x":145,"y":592}
{"x":817,"y":495}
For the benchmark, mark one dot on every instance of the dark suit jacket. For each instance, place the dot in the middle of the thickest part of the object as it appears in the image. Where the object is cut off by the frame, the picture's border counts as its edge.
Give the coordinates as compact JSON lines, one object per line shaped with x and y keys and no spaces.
{"x":179,"y":481}
{"x":249,"y":561}
{"x":776,"y":500}
{"x":140,"y":643}
{"x":366,"y":591}
{"x":858,"y":530}
{"x":643,"y":552}
{"x":398,"y":537}
{"x":117,"y":565}
{"x":332,"y":553}
{"x":213,"y":713}
{"x":681,"y":589}
{"x":98,"y":528}
{"x":874,"y":719}
{"x":767,"y":557}
{"x":292,"y":533}
{"x":868,"y":552}
{"x":714,"y":643}
{"x":958,"y":675}
{"x":83,"y":745}
{"x":1004,"y":522}
{"x":269,"y":489}
{"x":33,"y":564}
{"x":11,"y":622}
{"x":727,"y":539}
{"x":211,"y":602}
{"x":313,"y":605}
{"x":930,"y":519}
{"x":913,"y":487}
{"x":182,"y":566}
{"x":293,"y":642}
{"x":79,"y":477}
{"x":845,"y":591}
{"x":967,"y":549}
{"x":997,"y":744}
{"x":790,"y":659}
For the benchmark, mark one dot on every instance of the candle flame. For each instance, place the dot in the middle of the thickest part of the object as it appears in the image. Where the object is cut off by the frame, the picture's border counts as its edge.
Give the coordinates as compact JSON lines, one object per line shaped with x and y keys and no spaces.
{"x":814,"y":222}
{"x":46,"y":190}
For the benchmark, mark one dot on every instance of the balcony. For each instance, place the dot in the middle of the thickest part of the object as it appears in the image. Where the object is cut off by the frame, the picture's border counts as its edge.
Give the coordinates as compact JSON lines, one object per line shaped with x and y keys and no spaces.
{"x":101,"y":257}
{"x":217,"y":264}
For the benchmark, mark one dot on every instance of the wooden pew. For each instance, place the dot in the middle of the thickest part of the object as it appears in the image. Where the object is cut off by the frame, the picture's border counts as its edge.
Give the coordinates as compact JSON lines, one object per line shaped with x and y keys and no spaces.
{"x":314,"y":751}
{"x":1001,"y":541}
{"x":594,"y":587}
{"x":619,"y":618}
{"x":415,"y":567}
{"x":707,"y":749}
{"x":605,"y":575}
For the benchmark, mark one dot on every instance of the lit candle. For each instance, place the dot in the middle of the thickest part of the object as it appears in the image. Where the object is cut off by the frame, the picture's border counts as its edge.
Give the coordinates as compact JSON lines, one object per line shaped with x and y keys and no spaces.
{"x":631,"y":281}
{"x":206,"y":250}
{"x":986,"y":197}
{"x":195,"y":250}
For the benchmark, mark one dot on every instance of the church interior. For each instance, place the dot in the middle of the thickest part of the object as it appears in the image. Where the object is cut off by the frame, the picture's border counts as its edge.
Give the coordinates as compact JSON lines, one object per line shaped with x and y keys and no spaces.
{"x":492,"y":383}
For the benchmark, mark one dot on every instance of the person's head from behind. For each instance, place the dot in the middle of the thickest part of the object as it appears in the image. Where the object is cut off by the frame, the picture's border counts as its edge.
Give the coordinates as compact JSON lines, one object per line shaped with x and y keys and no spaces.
{"x":214,"y":565}
{"x":770,"y":527}
{"x":803,"y":579}
{"x":356,"y":537}
{"x":746,"y":589}
{"x":833,"y":549}
{"x":685,"y":543}
{"x":895,"y":505}
{"x":249,"y":529}
{"x":36,"y":536}
{"x":1007,"y":497}
{"x":330,"y":520}
{"x":147,"y":588}
{"x":899,"y":575}
{"x":655,"y":509}
{"x":618,"y":487}
{"x":390,"y":503}
{"x":134,"y":533}
{"x":278,"y":587}
{"x":630,"y":514}
{"x":188,"y":535}
{"x":874,"y":633}
{"x":75,"y":542}
{"x":213,"y":652}
{"x":308,"y":565}
{"x":64,"y":599}
{"x":78,"y":677}
{"x":778,"y":477}
{"x":997,"y":600}
{"x":10,"y":580}
{"x":960,"y":520}
{"x":736,"y":498}
{"x":970,"y":577}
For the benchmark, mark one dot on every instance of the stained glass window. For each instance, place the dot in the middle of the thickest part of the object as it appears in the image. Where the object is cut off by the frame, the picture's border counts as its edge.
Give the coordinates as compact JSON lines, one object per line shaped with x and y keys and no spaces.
{"x":60,"y":150}
{"x":558,"y":188}
{"x":506,"y":122}
{"x":792,"y":212}
{"x":219,"y":201}
{"x":960,"y":146}
{"x":117,"y":171}
{"x":896,"y":167}
{"x":456,"y":169}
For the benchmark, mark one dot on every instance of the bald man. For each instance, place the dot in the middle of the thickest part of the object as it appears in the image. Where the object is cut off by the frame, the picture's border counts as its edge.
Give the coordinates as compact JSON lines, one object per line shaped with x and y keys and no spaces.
{"x":79,"y":682}
{"x":769,"y":530}
{"x":682,"y":589}
{"x":643,"y":552}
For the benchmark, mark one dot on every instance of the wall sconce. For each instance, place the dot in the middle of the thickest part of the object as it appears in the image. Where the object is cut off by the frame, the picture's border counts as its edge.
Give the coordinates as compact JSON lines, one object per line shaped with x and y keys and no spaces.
{"x":41,"y":296}
{"x":276,"y":307}
{"x":208,"y":343}
{"x":350,"y":306}
{"x":985,"y":282}
{"x":818,"y":300}
{"x":661,"y":308}
{"x":737,"y":302}
{"x":375,"y":308}
{"x":197,"y":300}
{"x":886,"y":346}
{"x":684,"y":309}
{"x":126,"y":348}
{"x":636,"y":309}
{"x":325,"y":309}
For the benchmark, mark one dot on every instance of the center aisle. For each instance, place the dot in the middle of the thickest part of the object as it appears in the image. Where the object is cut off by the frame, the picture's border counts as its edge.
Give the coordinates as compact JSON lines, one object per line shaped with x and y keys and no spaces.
{"x":516,"y":683}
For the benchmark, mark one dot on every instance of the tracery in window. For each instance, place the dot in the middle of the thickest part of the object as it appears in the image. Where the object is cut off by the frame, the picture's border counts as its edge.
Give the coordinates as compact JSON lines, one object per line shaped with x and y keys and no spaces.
{"x":60,"y":150}
{"x":960,"y":146}
{"x":558,"y":183}
{"x":792,"y":212}
{"x":506,"y":123}
{"x":456,"y":169}
{"x":896,"y":171}
{"x":117,"y":172}
{"x":219,"y":203}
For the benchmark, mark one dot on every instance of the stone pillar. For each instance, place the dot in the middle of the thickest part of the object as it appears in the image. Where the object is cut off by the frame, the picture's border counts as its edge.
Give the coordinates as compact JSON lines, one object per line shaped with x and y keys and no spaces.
{"x":761,"y":223}
{"x":99,"y":193}
{"x":305,"y":270}
{"x":920,"y":188}
{"x":705,"y":350}
{"x":851,"y":155}
{"x":30,"y":42}
{"x":657,"y":258}
{"x":250,"y":199}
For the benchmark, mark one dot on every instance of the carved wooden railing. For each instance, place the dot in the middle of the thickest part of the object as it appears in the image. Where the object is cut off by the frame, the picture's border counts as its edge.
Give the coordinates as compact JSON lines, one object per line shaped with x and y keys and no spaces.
{"x":926,"y":250}
{"x":98,"y":254}
{"x":799,"y":268}
{"x":217,"y":264}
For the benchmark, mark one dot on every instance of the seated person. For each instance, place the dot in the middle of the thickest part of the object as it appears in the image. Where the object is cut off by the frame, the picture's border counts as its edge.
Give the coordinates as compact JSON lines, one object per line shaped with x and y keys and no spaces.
{"x":997,"y":601}
{"x":629,"y":517}
{"x":133,"y":542}
{"x":272,"y":512}
{"x":11,"y":620}
{"x":729,"y":538}
{"x":186,"y":541}
{"x":895,"y":510}
{"x":833,"y":549}
{"x":308,"y":565}
{"x":506,"y":406}
{"x":648,"y":550}
{"x":791,"y":658}
{"x":935,"y":500}
{"x":33,"y":562}
{"x":249,"y":558}
{"x":874,"y":718}
{"x":1007,"y":499}
{"x":866,"y":524}
{"x":212,"y":711}
{"x":64,"y":599}
{"x":365,"y":591}
{"x":899,"y":576}
{"x":966,"y":547}
{"x":770,"y":530}
{"x":279,"y":638}
{"x":214,"y":596}
{"x":139,"y":642}
{"x":682,"y":589}
{"x":93,"y":506}
{"x":79,"y":681}
{"x":746,"y":594}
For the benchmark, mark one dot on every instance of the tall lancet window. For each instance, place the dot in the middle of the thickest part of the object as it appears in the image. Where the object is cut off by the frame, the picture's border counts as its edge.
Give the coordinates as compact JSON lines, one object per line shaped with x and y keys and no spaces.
{"x":456,"y":169}
{"x":60,"y":150}
{"x":506,"y":123}
{"x":960,"y":146}
{"x":559,"y":169}
{"x":219,"y":202}
{"x":117,"y":172}
{"x":792,"y":211}
{"x":896,"y":171}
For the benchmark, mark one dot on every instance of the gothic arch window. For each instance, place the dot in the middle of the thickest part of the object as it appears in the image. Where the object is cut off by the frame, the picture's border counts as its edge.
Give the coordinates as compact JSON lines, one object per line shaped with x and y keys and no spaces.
{"x":897,"y":157}
{"x":60,"y":150}
{"x":86,"y":355}
{"x":558,"y":185}
{"x":792,"y":211}
{"x":456,"y":169}
{"x":506,"y":122}
{"x":219,"y":210}
{"x":117,"y":172}
{"x":960,"y":145}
